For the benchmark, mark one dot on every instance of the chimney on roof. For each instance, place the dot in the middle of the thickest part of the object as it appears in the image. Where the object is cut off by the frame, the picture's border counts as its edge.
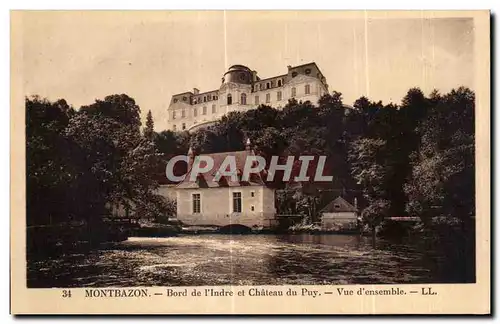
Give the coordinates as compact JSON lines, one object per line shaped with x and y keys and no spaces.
{"x":289,"y":67}
{"x":196,"y":91}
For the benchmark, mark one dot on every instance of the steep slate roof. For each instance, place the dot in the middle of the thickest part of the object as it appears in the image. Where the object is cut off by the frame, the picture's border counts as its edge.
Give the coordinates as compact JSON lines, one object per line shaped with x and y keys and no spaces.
{"x":344,"y":206}
{"x":206,"y":180}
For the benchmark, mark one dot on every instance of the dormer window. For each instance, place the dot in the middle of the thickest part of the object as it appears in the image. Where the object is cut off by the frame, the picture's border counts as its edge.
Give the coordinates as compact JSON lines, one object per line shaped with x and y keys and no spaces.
{"x":294,"y":74}
{"x":175,"y":100}
{"x":279,"y":83}
{"x":308,"y":71}
{"x":184,"y":98}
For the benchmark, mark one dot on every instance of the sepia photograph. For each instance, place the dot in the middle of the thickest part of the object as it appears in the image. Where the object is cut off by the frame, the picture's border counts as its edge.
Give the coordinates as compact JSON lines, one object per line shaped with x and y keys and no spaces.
{"x":260,"y":149}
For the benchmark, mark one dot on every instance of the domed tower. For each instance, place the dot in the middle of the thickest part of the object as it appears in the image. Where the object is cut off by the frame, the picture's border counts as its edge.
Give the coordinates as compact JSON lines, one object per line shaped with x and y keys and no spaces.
{"x":239,"y":74}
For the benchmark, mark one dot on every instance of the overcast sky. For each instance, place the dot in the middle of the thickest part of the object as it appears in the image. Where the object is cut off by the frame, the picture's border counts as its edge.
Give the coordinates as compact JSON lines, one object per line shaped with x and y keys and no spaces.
{"x":82,"y":56}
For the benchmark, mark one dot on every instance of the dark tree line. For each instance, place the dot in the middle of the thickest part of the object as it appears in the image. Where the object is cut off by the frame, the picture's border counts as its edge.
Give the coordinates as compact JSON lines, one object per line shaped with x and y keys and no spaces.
{"x":85,"y":165}
{"x":413,"y":159}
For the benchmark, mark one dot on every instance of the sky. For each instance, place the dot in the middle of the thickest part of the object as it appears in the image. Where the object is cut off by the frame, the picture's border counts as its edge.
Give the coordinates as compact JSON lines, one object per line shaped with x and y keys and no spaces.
{"x":151,"y":55}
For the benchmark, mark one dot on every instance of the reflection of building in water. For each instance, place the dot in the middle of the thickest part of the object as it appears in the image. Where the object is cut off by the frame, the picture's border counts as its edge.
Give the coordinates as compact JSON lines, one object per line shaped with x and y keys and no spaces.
{"x":241,"y":90}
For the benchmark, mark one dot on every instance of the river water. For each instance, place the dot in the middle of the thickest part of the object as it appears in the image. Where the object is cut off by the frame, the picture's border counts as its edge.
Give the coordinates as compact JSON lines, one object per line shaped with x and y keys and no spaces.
{"x":248,"y":260}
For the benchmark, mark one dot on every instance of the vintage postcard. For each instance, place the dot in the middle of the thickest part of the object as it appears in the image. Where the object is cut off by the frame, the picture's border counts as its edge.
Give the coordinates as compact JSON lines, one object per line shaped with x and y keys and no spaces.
{"x":250,"y":162}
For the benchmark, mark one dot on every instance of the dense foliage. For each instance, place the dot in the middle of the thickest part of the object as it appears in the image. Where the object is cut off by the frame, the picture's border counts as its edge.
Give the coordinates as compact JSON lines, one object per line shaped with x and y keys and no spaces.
{"x":413,"y":159}
{"x":85,"y":165}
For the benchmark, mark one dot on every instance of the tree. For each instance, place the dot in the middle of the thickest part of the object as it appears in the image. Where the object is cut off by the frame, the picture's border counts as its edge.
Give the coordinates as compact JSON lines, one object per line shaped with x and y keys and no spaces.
{"x":149,"y":129}
{"x":442,"y":181}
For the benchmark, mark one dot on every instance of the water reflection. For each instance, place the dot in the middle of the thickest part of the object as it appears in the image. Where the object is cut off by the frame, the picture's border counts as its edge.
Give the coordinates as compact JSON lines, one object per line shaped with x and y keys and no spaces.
{"x":243,"y":260}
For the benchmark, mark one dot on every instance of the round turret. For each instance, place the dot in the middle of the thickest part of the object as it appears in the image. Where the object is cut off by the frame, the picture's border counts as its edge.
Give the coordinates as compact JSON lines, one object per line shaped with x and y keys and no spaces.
{"x":238,"y":74}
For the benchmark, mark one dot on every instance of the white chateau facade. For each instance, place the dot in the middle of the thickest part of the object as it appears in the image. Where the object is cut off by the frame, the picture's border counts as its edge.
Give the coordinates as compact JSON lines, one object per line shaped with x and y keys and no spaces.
{"x":241,"y":90}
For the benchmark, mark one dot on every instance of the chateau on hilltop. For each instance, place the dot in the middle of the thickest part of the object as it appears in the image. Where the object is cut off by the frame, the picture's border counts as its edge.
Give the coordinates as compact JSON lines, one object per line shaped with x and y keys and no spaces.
{"x":242,"y":90}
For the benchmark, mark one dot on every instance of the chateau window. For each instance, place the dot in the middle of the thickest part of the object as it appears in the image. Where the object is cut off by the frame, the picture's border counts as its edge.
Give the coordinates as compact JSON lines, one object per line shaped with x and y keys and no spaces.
{"x":256,"y":100}
{"x":279,"y":83}
{"x":229,"y":99}
{"x":279,"y":96}
{"x":243,"y":99}
{"x":294,"y":92}
{"x":173,"y":114}
{"x":204,"y":110}
{"x":308,"y":89}
{"x":214,"y":109}
{"x":183,"y":113}
{"x":196,"y":203}
{"x":268,"y":86}
{"x":268,"y":97}
{"x":236,"y":202}
{"x":183,"y":126}
{"x":195,"y":112}
{"x":204,"y":99}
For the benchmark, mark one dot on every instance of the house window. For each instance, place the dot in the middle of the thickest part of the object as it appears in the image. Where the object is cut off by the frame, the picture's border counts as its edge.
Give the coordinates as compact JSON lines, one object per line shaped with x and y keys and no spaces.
{"x":214,"y":109}
{"x":183,"y":113}
{"x":256,"y":100}
{"x":279,"y":95}
{"x":173,"y":114}
{"x":294,"y":92}
{"x":229,"y":99}
{"x":196,"y":203}
{"x":279,"y":83}
{"x":195,"y":113}
{"x":308,"y":89}
{"x":204,"y":110}
{"x":243,"y":99}
{"x":236,"y":202}
{"x":268,"y":97}
{"x":183,"y":126}
{"x":252,"y":194}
